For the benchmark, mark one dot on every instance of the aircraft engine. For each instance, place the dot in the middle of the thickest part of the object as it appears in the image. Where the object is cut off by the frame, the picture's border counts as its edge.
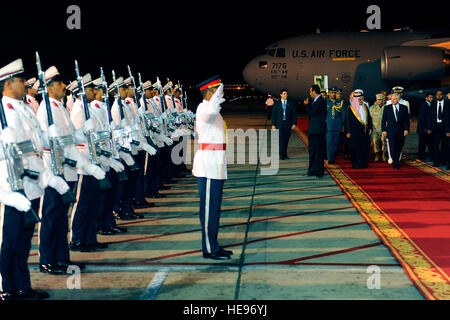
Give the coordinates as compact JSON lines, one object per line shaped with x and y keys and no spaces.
{"x":414,"y":63}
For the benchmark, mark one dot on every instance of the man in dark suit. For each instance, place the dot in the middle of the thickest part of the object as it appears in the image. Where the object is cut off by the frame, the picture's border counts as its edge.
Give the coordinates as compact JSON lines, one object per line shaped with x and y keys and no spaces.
{"x":317,"y":129}
{"x":447,"y":130}
{"x":424,"y":138}
{"x":436,"y":129}
{"x":284,"y":119}
{"x":395,"y":126}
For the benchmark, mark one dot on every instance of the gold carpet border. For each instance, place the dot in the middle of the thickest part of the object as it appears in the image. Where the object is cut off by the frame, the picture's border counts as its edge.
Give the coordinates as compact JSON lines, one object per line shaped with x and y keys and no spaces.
{"x":431,"y":280}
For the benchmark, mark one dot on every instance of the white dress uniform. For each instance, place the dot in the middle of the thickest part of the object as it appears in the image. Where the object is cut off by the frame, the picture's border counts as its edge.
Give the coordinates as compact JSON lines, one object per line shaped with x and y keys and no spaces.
{"x":61,"y":119}
{"x":210,"y":168}
{"x":169,"y":103}
{"x":178,"y":105}
{"x":32,"y":102}
{"x":210,"y":129}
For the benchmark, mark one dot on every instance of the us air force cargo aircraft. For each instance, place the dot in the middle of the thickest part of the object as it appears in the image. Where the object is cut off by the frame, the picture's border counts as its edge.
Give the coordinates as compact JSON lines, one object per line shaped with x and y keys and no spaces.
{"x":372,"y":61}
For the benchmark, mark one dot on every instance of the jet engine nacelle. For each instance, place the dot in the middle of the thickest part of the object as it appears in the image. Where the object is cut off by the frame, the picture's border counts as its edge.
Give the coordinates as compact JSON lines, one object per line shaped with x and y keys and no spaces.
{"x":414,"y":63}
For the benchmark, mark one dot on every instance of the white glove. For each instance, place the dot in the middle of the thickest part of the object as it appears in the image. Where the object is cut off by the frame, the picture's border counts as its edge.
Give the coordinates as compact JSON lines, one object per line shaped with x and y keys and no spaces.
{"x":9,"y":135}
{"x":93,"y":170}
{"x":123,"y":123}
{"x":217,"y":97}
{"x":104,"y":161}
{"x":16,"y":200}
{"x":167,"y":140}
{"x":89,"y":125}
{"x":127,"y":158}
{"x":149,"y":149}
{"x":116,"y":165}
{"x":54,"y":131}
{"x":59,"y":184}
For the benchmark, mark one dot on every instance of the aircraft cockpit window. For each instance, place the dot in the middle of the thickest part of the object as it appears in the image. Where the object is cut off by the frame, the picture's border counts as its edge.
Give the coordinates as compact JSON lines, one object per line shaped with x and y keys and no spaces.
{"x":281,"y":52}
{"x":271,"y":52}
{"x":263,"y":65}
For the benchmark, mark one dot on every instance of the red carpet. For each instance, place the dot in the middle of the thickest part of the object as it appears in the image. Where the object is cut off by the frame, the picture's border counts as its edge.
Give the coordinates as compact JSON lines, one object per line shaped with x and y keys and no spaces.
{"x":410,"y":210}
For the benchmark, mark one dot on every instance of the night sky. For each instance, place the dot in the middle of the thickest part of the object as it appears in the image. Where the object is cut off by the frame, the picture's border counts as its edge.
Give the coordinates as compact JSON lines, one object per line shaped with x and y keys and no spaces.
{"x":190,"y":41}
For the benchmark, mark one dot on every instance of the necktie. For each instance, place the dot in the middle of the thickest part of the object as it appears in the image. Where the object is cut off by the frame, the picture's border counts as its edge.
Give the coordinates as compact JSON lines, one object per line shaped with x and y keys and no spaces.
{"x":439,"y":111}
{"x":284,"y":110}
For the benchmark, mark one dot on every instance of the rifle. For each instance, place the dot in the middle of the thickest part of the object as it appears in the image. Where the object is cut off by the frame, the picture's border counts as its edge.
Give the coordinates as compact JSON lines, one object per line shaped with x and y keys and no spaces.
{"x":113,"y":143}
{"x":123,"y":134}
{"x":57,"y":144}
{"x":143,"y":119}
{"x":163,"y":105}
{"x":94,"y":154}
{"x":16,"y":171}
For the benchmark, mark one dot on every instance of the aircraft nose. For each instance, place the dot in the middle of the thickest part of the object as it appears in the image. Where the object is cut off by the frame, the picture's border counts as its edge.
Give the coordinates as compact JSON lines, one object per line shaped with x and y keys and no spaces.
{"x":249,"y":73}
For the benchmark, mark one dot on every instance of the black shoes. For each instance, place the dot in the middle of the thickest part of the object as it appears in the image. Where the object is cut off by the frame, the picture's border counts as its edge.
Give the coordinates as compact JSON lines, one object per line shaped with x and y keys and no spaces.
{"x":117,"y":230}
{"x":222,"y":254}
{"x":30,"y":294}
{"x":52,"y":269}
{"x":143,"y":205}
{"x":123,"y":216}
{"x":66,"y":264}
{"x":87,"y":247}
{"x":216,"y":256}
{"x":157,"y":196}
{"x":228,"y":252}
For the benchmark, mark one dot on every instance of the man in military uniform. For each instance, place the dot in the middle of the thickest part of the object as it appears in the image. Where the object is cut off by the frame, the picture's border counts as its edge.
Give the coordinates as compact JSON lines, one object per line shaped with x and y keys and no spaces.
{"x":32,"y":91}
{"x":210,"y":165}
{"x":376,"y":112}
{"x":19,"y":125}
{"x":335,"y":121}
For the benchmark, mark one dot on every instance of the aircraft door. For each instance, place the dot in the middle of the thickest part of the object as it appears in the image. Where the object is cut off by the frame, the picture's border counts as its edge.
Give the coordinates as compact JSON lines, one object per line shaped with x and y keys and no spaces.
{"x":321,"y":81}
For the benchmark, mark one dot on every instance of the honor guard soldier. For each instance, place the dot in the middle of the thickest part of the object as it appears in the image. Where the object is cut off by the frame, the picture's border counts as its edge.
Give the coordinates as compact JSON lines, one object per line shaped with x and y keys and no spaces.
{"x":153,"y":174}
{"x":399,"y":90}
{"x":139,"y":193}
{"x":335,"y":123}
{"x":85,"y":211}
{"x":376,"y":112}
{"x":210,"y":166}
{"x":32,"y":87}
{"x":106,"y":223}
{"x":19,"y":125}
{"x":54,"y":255}
{"x":125,"y":209}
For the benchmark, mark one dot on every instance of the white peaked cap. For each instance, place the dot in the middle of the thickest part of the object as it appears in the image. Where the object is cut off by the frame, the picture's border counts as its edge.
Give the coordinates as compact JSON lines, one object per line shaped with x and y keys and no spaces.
{"x":36,"y":85}
{"x":50,"y":73}
{"x":118,"y":82}
{"x":147,"y":85}
{"x":127,"y":81}
{"x":98,"y":82}
{"x":31,"y":82}
{"x":12,"y":69}
{"x":73,"y":86}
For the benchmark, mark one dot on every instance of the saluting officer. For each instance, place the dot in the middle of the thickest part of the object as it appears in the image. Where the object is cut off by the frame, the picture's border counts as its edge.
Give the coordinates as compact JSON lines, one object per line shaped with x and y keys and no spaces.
{"x":210,"y":165}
